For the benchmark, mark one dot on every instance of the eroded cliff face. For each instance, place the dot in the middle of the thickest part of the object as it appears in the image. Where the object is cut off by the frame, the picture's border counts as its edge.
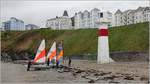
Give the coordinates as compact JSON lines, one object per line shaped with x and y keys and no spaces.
{"x":131,"y":40}
{"x":13,"y":56}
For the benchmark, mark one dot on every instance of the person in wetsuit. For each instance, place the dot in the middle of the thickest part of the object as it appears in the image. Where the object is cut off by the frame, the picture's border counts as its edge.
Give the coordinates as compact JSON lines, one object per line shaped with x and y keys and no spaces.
{"x":29,"y":65}
{"x":57,"y":64}
{"x":69,"y":62}
{"x":48,"y":62}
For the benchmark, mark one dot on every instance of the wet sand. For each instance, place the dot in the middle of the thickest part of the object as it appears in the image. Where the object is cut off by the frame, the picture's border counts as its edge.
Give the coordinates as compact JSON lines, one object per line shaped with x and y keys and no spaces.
{"x":82,"y":71}
{"x":17,"y":73}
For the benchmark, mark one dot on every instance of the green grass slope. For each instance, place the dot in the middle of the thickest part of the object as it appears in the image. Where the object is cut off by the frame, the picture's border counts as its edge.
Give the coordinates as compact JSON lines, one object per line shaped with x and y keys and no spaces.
{"x":82,"y":41}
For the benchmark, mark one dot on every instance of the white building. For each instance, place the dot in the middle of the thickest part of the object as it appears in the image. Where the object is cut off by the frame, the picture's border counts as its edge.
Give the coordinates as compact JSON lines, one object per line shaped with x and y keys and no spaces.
{"x":63,"y":22}
{"x":90,"y":19}
{"x":94,"y":17}
{"x":13,"y":24}
{"x":107,"y":15}
{"x":86,"y":19}
{"x":118,"y":18}
{"x":31,"y":26}
{"x":141,"y":14}
{"x":78,"y":20}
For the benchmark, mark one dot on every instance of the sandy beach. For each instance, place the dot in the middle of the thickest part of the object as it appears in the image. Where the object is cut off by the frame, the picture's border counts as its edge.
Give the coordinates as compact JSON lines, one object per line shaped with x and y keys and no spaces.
{"x":82,"y":71}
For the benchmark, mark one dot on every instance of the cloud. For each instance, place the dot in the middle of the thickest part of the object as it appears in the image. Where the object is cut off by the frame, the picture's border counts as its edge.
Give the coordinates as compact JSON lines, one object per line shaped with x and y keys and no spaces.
{"x":37,"y":12}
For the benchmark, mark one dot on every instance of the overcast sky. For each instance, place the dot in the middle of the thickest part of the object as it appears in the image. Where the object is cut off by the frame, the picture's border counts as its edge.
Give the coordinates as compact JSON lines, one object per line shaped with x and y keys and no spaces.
{"x":37,"y":12}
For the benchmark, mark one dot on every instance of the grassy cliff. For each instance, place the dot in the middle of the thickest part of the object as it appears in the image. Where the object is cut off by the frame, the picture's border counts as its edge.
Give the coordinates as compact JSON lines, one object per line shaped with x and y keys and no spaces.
{"x":82,"y":41}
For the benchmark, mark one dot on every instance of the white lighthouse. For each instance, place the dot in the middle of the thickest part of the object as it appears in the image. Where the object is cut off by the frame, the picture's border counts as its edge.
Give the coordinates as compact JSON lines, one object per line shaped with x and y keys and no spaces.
{"x":103,"y":44}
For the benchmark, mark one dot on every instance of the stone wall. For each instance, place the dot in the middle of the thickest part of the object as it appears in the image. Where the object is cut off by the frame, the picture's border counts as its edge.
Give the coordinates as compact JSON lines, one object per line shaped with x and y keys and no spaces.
{"x":116,"y":56}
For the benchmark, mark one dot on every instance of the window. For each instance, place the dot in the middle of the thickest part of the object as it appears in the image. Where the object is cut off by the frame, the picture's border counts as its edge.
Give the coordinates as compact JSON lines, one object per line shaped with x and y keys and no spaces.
{"x":101,"y":15}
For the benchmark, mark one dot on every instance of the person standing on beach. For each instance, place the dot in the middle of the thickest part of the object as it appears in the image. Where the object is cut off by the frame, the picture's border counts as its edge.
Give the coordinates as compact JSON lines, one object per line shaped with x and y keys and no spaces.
{"x":57,"y":63}
{"x":69,"y":62}
{"x":29,"y":65}
{"x":48,"y":62}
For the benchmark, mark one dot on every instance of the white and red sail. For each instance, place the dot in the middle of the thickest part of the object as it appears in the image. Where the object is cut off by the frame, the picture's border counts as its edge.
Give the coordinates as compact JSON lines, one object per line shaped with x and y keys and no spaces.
{"x":60,"y":54}
{"x":52,"y":52}
{"x":41,"y":52}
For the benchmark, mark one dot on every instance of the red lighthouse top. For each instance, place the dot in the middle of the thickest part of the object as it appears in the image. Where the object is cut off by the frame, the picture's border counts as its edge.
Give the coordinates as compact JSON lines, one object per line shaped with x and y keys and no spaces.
{"x":103,"y":32}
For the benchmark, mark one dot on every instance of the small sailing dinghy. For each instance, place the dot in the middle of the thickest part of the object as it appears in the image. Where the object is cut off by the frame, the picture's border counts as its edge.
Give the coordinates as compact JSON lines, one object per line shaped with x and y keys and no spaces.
{"x":40,"y":58}
{"x":51,"y":56}
{"x":41,"y":52}
{"x":60,"y":53}
{"x":55,"y":55}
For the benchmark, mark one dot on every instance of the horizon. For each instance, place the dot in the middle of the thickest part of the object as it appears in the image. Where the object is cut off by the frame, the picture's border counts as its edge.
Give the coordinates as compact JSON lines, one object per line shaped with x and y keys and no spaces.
{"x":51,"y":9}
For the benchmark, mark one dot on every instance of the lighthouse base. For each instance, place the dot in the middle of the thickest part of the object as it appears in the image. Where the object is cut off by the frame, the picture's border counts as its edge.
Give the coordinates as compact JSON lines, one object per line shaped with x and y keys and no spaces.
{"x":103,"y":50}
{"x":103,"y":60}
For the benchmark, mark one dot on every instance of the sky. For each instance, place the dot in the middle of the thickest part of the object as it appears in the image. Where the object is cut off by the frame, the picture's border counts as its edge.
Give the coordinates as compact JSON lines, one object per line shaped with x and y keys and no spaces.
{"x":38,"y":11}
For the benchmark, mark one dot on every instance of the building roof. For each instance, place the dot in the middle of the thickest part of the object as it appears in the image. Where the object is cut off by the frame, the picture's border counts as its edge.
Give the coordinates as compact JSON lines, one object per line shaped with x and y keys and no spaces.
{"x":85,"y":11}
{"x":51,"y":19}
{"x":118,"y":11}
{"x":21,"y":21}
{"x":142,"y":9}
{"x":128,"y":11}
{"x":31,"y":25}
{"x":65,"y":13}
{"x":17,"y":20}
{"x":132,"y":11}
{"x":13,"y":18}
{"x":147,"y":9}
{"x":79,"y":12}
{"x":95,"y":9}
{"x":109,"y":12}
